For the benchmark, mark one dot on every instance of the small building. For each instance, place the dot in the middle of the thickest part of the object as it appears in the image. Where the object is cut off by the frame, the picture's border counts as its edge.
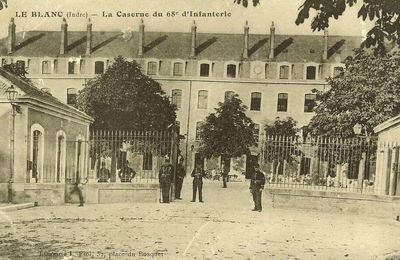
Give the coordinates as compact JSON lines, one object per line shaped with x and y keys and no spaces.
{"x":43,"y":143}
{"x":387,"y":179}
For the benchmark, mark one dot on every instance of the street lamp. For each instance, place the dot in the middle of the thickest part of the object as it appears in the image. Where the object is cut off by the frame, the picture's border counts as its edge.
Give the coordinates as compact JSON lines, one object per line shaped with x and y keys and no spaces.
{"x":11,"y":94}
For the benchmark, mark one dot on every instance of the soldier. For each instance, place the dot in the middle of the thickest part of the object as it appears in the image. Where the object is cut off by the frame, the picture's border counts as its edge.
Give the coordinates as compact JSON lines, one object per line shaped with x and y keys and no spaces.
{"x":198,"y":174}
{"x":256,"y":186}
{"x":165,"y":177}
{"x":180,"y":174}
{"x":126,"y":174}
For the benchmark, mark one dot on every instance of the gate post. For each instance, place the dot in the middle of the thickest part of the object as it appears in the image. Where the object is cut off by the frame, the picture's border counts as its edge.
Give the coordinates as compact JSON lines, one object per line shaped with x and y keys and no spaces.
{"x":174,"y":159}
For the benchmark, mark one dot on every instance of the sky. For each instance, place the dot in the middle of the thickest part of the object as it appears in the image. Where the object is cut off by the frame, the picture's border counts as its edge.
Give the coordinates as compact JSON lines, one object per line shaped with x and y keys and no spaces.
{"x":282,"y":13}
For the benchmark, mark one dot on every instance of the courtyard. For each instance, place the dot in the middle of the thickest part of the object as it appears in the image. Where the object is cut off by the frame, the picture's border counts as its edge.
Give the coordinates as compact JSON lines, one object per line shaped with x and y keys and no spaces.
{"x":224,"y":227}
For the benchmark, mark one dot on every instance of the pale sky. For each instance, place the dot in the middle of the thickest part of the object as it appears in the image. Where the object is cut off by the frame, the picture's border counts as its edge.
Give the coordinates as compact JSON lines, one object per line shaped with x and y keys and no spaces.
{"x":283,"y":13}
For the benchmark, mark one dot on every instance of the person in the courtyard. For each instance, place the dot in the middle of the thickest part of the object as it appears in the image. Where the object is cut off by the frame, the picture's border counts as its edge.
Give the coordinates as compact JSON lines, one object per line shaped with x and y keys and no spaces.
{"x":126,"y":174}
{"x":198,"y":174}
{"x":165,"y":177}
{"x":180,"y":175}
{"x":225,"y":172}
{"x":104,"y":174}
{"x":256,"y":186}
{"x":78,"y":186}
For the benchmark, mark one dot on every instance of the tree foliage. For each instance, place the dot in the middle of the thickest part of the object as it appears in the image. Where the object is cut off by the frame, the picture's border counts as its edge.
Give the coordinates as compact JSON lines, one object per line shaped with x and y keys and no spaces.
{"x":366,"y":93}
{"x":385,"y":14}
{"x":123,"y":98}
{"x":18,"y":69}
{"x":228,"y":131}
{"x":282,"y":127}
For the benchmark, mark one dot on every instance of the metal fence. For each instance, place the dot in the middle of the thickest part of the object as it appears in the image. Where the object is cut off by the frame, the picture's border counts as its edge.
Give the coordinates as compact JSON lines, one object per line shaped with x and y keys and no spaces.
{"x":320,"y":163}
{"x":142,"y":152}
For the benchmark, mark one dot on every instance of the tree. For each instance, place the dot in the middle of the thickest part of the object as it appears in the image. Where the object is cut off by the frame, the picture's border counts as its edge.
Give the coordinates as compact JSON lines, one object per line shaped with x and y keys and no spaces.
{"x":285,"y":127}
{"x":228,"y":131}
{"x":366,"y":92}
{"x":123,"y":98}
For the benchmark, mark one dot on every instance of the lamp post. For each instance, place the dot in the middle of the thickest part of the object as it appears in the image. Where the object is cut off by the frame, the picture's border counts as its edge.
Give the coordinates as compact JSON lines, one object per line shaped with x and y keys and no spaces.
{"x":11,"y":94}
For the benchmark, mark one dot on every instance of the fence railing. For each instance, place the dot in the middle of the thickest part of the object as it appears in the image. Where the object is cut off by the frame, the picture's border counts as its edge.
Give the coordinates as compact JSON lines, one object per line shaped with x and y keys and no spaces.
{"x":129,"y":156}
{"x":320,"y":163}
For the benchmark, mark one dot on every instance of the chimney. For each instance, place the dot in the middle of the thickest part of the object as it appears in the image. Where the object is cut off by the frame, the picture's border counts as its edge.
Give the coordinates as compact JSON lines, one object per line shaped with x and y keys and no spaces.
{"x":64,"y":36}
{"x":272,"y":42}
{"x":11,"y":37}
{"x":193,"y":44}
{"x":141,"y":38}
{"x":89,"y":38}
{"x":325,"y":53}
{"x":246,"y":41}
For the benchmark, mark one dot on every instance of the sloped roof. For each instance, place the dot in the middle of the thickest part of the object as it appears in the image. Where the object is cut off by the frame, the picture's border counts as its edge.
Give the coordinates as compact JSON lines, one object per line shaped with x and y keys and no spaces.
{"x":28,"y":90}
{"x":174,"y":45}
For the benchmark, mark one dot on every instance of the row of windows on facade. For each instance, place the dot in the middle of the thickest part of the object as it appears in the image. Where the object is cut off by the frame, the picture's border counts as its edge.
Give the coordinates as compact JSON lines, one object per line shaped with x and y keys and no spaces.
{"x":255,"y":101}
{"x":179,"y":68}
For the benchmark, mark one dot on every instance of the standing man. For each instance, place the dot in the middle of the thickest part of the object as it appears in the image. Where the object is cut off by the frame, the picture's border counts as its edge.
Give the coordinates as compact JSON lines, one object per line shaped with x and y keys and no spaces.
{"x":103,"y":175}
{"x":198,"y":174}
{"x":180,"y":174}
{"x":126,"y":174}
{"x":256,"y":186}
{"x":165,"y":177}
{"x":225,"y":173}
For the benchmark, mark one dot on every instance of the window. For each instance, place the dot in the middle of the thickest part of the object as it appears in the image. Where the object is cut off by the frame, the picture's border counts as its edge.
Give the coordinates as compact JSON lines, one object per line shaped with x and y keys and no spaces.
{"x":309,"y":102}
{"x":71,"y":96}
{"x":177,"y":97}
{"x":99,"y":67}
{"x":311,"y":72}
{"x":20,"y":64}
{"x":337,"y":71}
{"x":72,"y":67}
{"x":55,"y":70}
{"x":46,"y":67}
{"x":204,"y":70}
{"x":81,"y":65}
{"x":147,"y":161}
{"x":255,"y":104}
{"x":231,"y":71}
{"x":284,"y":72}
{"x":202,"y":99}
{"x":282,"y":102}
{"x":152,"y":68}
{"x":3,"y":62}
{"x":256,"y":132}
{"x":229,"y":95}
{"x":198,"y":130}
{"x":266,"y":70}
{"x":36,"y":154}
{"x":178,"y":69}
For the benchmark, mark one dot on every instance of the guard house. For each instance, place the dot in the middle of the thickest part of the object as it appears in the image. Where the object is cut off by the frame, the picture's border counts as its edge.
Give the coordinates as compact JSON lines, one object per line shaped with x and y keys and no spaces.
{"x":43,"y":143}
{"x":387,"y":179}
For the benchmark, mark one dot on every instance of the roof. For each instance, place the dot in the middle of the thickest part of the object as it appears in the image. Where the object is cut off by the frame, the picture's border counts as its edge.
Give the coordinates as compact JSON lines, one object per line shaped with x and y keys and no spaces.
{"x":387,"y":124}
{"x":29,"y":91}
{"x":175,"y":45}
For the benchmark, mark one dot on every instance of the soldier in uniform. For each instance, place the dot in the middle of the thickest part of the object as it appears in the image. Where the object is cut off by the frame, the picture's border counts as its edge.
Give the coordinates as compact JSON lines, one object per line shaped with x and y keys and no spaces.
{"x":165,"y":177}
{"x":126,"y":174}
{"x":180,"y":174}
{"x":198,"y":174}
{"x":103,"y":174}
{"x":256,"y":186}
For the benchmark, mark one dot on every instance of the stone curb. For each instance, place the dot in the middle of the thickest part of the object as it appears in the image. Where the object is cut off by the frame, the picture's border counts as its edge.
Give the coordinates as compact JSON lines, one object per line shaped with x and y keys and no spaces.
{"x":18,"y":207}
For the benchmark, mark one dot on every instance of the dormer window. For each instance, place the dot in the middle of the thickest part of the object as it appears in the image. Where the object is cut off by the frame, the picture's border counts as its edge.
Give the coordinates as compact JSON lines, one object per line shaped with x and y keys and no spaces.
{"x":46,"y":67}
{"x":152,"y":68}
{"x":178,"y":69}
{"x":205,"y":70}
{"x":284,"y":72}
{"x":311,"y":72}
{"x":99,"y":67}
{"x":72,"y":69}
{"x":231,"y":71}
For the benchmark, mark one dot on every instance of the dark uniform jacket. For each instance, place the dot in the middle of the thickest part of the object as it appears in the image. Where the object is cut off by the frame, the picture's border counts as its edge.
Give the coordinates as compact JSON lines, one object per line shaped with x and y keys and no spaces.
{"x":126,"y":174}
{"x":180,"y":171}
{"x":166,"y":173}
{"x":198,"y":174}
{"x":257,"y":180}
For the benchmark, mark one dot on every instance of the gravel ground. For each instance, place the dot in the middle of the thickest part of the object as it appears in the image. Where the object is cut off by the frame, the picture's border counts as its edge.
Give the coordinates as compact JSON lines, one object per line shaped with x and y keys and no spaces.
{"x":224,"y":227}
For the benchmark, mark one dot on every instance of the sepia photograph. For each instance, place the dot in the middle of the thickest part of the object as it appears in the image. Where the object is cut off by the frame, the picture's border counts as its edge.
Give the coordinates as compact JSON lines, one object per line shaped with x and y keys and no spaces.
{"x":199,"y":129}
